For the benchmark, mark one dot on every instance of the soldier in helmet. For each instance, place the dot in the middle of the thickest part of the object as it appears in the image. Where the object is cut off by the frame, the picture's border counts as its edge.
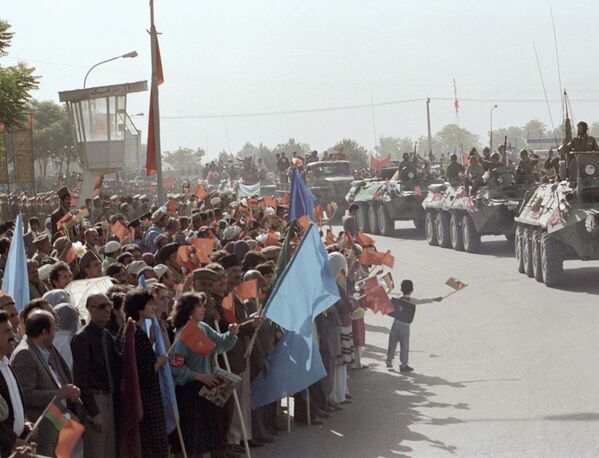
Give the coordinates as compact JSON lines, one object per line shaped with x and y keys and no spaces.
{"x":583,"y":142}
{"x":454,"y":169}
{"x":474,"y":175}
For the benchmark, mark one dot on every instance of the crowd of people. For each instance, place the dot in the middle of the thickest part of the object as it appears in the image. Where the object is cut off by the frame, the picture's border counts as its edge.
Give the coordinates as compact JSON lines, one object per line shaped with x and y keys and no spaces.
{"x":175,"y":264}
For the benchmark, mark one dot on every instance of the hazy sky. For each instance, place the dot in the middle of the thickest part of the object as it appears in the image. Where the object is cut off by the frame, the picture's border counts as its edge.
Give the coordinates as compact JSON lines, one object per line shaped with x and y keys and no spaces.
{"x":255,"y":56}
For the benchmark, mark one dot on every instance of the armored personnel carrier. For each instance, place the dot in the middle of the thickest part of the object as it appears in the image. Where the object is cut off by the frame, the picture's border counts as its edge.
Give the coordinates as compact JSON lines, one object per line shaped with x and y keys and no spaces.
{"x":455,"y":219}
{"x":394,"y":196}
{"x":560,"y":221}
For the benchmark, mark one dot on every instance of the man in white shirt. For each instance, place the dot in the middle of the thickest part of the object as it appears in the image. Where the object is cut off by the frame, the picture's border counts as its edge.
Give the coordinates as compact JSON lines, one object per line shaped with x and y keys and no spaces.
{"x":14,"y":426}
{"x":400,"y":331}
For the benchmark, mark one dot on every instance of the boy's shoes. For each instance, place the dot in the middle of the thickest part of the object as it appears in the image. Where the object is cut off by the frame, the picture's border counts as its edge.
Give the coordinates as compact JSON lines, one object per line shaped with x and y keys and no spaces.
{"x":405,"y":369}
{"x":389,"y":365}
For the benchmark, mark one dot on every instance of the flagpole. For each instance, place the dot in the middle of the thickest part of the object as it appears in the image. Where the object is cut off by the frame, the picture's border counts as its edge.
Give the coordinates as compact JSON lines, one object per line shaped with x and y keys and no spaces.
{"x":156,"y":107}
{"x":179,"y":433}
{"x":289,"y":415}
{"x":236,"y":399}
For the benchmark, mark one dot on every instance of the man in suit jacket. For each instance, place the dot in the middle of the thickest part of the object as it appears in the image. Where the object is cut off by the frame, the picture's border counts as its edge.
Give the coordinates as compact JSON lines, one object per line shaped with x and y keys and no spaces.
{"x":43,"y":375}
{"x":14,"y":425}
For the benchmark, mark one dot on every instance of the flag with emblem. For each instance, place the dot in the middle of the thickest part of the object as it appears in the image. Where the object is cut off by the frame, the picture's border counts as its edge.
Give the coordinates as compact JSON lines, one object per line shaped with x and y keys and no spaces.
{"x":196,"y":339}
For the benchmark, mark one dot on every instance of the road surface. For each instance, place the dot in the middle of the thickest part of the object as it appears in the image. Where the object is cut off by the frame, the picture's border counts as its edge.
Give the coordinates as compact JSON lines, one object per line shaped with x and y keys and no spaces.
{"x":506,"y":367}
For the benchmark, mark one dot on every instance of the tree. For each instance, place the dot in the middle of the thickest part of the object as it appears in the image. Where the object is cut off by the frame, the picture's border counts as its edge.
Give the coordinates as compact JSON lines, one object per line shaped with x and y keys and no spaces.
{"x":51,"y":134}
{"x":394,"y":146}
{"x":16,"y":83}
{"x":535,"y":129}
{"x":290,"y":147}
{"x":184,"y":159}
{"x":259,"y":152}
{"x":447,"y":140}
{"x":516,"y":138}
{"x":223,"y":156}
{"x":356,"y":154}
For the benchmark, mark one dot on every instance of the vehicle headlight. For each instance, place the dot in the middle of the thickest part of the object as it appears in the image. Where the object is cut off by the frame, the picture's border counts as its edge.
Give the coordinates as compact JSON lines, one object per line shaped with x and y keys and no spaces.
{"x":590,"y":169}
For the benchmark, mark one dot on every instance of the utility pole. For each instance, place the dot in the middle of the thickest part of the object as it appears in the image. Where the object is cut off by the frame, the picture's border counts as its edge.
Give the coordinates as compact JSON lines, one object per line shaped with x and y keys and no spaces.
{"x":156,"y":107}
{"x":428,"y":124}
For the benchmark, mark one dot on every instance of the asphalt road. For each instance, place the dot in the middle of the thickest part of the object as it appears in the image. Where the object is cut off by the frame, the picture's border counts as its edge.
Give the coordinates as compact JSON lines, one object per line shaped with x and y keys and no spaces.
{"x":506,"y":367}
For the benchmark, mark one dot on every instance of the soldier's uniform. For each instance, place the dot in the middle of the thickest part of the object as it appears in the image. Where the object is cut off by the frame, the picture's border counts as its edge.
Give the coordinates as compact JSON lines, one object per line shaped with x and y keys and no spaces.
{"x":453,"y":173}
{"x":583,"y":143}
{"x":60,"y":212}
{"x":525,"y":171}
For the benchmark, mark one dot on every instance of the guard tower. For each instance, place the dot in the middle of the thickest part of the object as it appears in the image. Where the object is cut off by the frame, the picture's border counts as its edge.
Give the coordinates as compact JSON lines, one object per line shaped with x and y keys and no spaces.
{"x":98,"y":118}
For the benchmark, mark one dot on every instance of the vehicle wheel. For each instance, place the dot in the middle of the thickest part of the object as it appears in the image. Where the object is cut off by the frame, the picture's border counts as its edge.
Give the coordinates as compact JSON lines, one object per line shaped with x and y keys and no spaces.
{"x":470,"y":236}
{"x":386,"y":224}
{"x":430,"y":231}
{"x":455,"y":232}
{"x":537,"y":265}
{"x":442,"y":227}
{"x":527,"y":252}
{"x":373,"y":220}
{"x":362,"y":218}
{"x":518,"y":246}
{"x":419,"y":223}
{"x":552,"y":258}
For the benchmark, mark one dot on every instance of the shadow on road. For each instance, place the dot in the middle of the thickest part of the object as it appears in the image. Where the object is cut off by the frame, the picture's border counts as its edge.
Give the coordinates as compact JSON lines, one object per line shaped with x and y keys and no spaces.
{"x":381,"y":421}
{"x":580,"y":280}
{"x":497,"y":248}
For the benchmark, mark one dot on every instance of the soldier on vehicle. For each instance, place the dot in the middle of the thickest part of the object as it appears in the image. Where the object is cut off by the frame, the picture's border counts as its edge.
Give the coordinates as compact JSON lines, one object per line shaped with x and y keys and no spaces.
{"x":474,"y":175}
{"x":525,"y":170}
{"x":485,"y":160}
{"x":583,"y":142}
{"x":405,"y":162}
{"x":455,"y":171}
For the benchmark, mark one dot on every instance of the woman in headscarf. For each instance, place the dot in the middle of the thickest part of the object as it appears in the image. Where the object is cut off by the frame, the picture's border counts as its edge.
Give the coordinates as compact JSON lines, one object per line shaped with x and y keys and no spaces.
{"x":57,"y":296}
{"x":203,"y":424}
{"x":342,"y":311}
{"x":66,"y":327}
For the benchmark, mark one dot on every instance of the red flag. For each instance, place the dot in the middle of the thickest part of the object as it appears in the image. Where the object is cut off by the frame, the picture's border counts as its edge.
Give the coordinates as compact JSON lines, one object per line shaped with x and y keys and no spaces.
{"x":131,"y":406}
{"x":377,"y":165}
{"x":228,"y":305}
{"x":196,"y":339}
{"x":185,"y":258}
{"x":304,"y":222}
{"x":200,"y":192}
{"x":377,"y":300}
{"x":455,"y":283}
{"x":247,"y":289}
{"x":204,"y":248}
{"x":159,"y":72}
{"x":371,"y":257}
{"x":364,"y":240}
{"x":271,"y":239}
{"x":98,"y":185}
{"x":151,"y":167}
{"x":68,"y":437}
{"x":119,"y":230}
{"x":318,"y":213}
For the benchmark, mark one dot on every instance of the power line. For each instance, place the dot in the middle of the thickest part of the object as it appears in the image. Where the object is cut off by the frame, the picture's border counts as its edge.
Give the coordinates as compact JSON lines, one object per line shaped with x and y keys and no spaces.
{"x":364,"y":106}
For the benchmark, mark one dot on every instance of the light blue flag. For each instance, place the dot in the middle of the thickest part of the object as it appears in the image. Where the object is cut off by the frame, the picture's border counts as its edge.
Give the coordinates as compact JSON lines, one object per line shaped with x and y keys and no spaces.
{"x":248,"y":189}
{"x":293,"y":366}
{"x":301,"y":199}
{"x":167,"y":385}
{"x":306,"y":287}
{"x":16,"y":280}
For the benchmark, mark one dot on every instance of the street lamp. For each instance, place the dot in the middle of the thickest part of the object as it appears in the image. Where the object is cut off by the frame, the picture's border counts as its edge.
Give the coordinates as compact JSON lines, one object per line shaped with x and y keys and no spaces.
{"x":124,"y":56}
{"x":491,"y":134}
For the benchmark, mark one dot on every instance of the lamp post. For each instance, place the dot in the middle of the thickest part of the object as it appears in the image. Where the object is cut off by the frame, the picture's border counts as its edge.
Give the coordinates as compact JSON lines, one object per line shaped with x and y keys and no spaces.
{"x":124,"y":56}
{"x":491,"y":132}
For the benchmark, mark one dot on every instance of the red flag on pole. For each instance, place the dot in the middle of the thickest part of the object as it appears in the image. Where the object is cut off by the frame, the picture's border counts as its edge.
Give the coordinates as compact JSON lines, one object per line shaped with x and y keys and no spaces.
{"x":151,"y":167}
{"x":377,"y":165}
{"x":196,"y":339}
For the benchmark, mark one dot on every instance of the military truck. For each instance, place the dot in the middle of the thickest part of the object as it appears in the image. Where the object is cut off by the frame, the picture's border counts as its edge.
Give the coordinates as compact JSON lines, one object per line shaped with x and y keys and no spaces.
{"x":394,"y":196}
{"x":560,"y":221}
{"x":330,"y":181}
{"x":457,"y":219}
